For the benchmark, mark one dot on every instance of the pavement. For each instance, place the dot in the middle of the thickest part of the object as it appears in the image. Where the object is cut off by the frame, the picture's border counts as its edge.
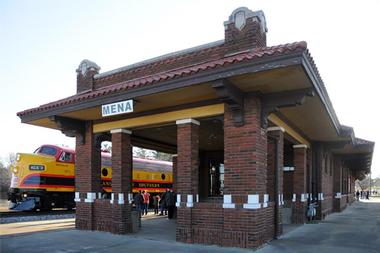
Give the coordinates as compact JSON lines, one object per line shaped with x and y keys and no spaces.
{"x":356,"y":229}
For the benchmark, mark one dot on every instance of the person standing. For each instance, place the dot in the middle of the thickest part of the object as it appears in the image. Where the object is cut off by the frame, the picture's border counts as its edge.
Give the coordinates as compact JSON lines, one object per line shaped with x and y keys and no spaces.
{"x":163,"y":203}
{"x":170,"y":202}
{"x":139,"y":202}
{"x":146,"y":197}
{"x":156,"y":201}
{"x":357,"y":195}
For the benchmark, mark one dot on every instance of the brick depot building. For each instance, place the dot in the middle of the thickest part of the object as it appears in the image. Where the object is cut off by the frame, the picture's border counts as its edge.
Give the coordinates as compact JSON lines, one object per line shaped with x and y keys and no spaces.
{"x":254,"y":132}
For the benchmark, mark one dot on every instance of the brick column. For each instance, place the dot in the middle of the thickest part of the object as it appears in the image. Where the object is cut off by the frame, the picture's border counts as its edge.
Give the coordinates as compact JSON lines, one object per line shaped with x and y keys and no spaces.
{"x":275,"y":174}
{"x":121,"y":181}
{"x":87,"y":178}
{"x":174,"y":161}
{"x":337,"y":187}
{"x":187,"y":176}
{"x":300,"y":184}
{"x":245,"y":217}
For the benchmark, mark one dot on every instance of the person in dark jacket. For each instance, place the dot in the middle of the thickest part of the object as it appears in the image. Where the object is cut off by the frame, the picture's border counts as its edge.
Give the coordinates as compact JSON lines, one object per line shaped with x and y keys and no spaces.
{"x":156,"y":201}
{"x":170,"y":202}
{"x":139,"y":202}
{"x":163,"y":203}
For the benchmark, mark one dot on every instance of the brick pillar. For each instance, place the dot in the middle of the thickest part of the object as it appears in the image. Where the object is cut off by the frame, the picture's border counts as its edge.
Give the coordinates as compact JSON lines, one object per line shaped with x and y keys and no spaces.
{"x":337,"y":187}
{"x":245,"y":171}
{"x":299,"y":184}
{"x":87,"y":178}
{"x":174,"y":160}
{"x":275,"y":174}
{"x":121,"y":181}
{"x":187,"y":176}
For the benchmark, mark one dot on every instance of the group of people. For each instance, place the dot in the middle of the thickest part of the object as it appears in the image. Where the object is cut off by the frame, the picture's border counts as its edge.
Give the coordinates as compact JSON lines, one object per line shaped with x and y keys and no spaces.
{"x":164,"y":202}
{"x":362,"y":194}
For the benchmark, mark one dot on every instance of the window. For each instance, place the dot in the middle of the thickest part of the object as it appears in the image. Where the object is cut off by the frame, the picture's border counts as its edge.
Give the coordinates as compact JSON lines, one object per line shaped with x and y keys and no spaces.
{"x":48,"y":150}
{"x":65,"y":157}
{"x":216,"y":180}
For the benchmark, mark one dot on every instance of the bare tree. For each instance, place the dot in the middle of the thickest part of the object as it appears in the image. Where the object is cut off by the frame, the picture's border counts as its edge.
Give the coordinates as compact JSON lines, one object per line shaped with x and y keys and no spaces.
{"x":364,"y":184}
{"x":6,"y":174}
{"x":163,"y":156}
{"x":143,"y":153}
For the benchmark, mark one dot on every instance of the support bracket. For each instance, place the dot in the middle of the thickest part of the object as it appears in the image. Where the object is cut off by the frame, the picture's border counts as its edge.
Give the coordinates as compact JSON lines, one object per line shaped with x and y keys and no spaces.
{"x":272,"y":102}
{"x":70,"y":127}
{"x":233,"y":97}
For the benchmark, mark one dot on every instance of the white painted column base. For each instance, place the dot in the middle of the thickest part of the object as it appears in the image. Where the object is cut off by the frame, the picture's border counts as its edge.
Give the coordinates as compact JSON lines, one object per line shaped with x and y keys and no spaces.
{"x":120,"y":198}
{"x":130,"y":198}
{"x":253,"y":202}
{"x":189,"y":201}
{"x":77,"y":198}
{"x":266,"y":200}
{"x":178,"y":203}
{"x":91,"y":196}
{"x":227,"y":201}
{"x":112,"y":198}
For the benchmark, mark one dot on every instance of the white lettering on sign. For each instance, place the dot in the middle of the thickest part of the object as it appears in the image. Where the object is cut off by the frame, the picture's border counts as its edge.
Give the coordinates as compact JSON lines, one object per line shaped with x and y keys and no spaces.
{"x":117,"y":108}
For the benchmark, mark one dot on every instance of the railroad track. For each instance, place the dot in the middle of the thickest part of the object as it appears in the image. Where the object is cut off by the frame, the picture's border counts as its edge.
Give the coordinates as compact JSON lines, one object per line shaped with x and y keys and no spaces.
{"x":6,"y":214}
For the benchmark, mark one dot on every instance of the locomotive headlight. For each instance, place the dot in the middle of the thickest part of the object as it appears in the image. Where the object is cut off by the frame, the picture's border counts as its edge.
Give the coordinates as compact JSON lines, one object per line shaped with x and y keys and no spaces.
{"x":25,"y":195}
{"x":36,"y":167}
{"x":14,"y":169}
{"x":18,"y":157}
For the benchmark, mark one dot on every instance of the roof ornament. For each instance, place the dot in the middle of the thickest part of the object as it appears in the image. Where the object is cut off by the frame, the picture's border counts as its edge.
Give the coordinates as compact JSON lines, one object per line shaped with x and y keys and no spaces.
{"x":240,"y":15}
{"x":87,"y":65}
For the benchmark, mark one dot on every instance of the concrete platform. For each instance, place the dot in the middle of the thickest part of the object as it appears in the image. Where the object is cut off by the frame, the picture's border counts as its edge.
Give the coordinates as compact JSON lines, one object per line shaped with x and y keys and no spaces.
{"x":357,"y":229}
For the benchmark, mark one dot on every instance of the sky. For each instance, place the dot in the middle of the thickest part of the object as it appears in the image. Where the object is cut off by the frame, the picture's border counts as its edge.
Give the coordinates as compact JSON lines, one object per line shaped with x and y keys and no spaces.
{"x":42,"y":43}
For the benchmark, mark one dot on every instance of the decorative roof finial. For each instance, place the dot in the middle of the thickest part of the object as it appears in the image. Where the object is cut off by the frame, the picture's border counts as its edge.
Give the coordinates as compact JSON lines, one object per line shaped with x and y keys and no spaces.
{"x":87,"y":65}
{"x":240,"y":15}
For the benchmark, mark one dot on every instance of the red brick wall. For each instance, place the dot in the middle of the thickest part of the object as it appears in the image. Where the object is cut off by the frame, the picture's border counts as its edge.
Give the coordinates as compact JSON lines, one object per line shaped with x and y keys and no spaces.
{"x":100,"y":214}
{"x":337,"y":185}
{"x":85,"y":83}
{"x":275,"y":138}
{"x":187,"y":177}
{"x":249,"y":37}
{"x":208,"y":223}
{"x":245,"y":156}
{"x":245,"y":152}
{"x":174,"y":160}
{"x":271,"y":167}
{"x":87,"y":177}
{"x":299,"y":184}
{"x":121,"y":163}
{"x":121,"y":182}
{"x":245,"y":161}
{"x":87,"y":165}
{"x":161,"y":66}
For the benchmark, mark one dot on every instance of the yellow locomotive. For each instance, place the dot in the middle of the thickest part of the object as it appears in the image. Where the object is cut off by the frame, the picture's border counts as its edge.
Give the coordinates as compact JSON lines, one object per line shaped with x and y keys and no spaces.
{"x":45,"y":179}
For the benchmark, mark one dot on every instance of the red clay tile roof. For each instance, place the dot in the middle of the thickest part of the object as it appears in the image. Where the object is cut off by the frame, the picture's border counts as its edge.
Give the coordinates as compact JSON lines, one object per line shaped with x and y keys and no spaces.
{"x":249,"y":55}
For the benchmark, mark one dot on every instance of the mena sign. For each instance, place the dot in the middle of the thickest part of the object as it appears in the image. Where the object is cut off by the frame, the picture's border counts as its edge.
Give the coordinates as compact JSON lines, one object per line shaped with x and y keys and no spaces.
{"x":117,"y":108}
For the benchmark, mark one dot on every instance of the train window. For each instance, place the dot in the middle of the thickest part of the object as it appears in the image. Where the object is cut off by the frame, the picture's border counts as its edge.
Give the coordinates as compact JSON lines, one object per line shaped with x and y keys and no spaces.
{"x":65,"y":157}
{"x":48,"y":150}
